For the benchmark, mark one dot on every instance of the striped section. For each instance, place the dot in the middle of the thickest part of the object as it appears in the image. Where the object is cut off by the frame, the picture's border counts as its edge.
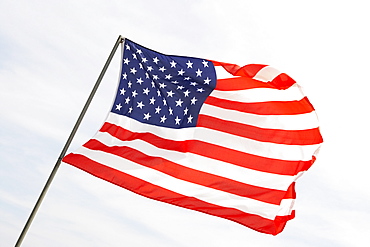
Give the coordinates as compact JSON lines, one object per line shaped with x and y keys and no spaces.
{"x":265,"y":108}
{"x":152,"y":191}
{"x":134,"y":167}
{"x":214,"y":152}
{"x":293,"y":137}
{"x":186,"y":158}
{"x":286,"y":122}
{"x":218,"y":138}
{"x":256,"y":135}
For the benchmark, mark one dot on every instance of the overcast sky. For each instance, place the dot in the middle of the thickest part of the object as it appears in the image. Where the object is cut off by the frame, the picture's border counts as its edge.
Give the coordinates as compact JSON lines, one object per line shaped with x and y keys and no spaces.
{"x":51,"y":53}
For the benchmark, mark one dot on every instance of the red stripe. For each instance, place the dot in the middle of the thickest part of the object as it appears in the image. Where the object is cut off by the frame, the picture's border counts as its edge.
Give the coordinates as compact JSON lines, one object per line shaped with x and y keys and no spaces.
{"x":264,"y":108}
{"x":282,"y":81}
{"x":187,"y":174}
{"x":290,"y":193}
{"x":240,"y":83}
{"x":212,"y":151}
{"x":152,"y":191}
{"x":249,"y":70}
{"x":290,"y":137}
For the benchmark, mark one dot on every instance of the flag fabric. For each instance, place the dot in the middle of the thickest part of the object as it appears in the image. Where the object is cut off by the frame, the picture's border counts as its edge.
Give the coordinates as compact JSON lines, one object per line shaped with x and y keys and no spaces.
{"x":182,"y":133}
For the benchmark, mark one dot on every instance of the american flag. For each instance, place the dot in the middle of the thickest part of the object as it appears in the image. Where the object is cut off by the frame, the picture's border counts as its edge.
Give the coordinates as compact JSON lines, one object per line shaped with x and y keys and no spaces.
{"x":230,"y":147}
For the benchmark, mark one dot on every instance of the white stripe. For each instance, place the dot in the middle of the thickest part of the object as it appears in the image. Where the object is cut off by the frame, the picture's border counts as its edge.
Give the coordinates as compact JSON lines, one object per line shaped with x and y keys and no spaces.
{"x":204,"y":164}
{"x":264,"y":149}
{"x":286,"y":207}
{"x":267,"y":74}
{"x":282,"y":122}
{"x":255,"y":95}
{"x":185,"y":188}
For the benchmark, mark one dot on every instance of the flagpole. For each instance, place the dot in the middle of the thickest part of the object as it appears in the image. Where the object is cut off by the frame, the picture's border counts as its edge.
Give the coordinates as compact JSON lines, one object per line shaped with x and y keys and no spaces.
{"x":66,"y":146}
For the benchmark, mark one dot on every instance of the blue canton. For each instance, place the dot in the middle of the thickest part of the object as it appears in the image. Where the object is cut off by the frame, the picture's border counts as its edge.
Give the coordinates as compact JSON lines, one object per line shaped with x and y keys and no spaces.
{"x":162,"y":90}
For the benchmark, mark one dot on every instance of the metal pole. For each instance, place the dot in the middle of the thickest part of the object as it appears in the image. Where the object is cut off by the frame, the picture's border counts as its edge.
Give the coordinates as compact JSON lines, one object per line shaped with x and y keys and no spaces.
{"x":62,"y":154}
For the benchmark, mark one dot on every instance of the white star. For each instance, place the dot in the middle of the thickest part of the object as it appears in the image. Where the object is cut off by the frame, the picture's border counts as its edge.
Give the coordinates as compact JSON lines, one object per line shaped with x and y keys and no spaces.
{"x":155,"y":60}
{"x":189,"y":64}
{"x":170,"y":93}
{"x":139,"y":80}
{"x":158,"y":92}
{"x":179,"y":102}
{"x":157,"y":110}
{"x":170,"y":110}
{"x":164,"y":102}
{"x":141,"y":65}
{"x":133,"y":70}
{"x":123,"y":91}
{"x":199,"y":72}
{"x":187,"y":78}
{"x":162,"y":85}
{"x":181,"y":72}
{"x":146,"y":91}
{"x":162,"y":69}
{"x":129,"y":84}
{"x":169,"y":76}
{"x":200,"y":90}
{"x":207,"y":81}
{"x":153,"y":84}
{"x":140,"y":105}
{"x":146,"y":75}
{"x":118,"y":107}
{"x":186,"y":111}
{"x":126,"y":61}
{"x":193,"y":100}
{"x":186,"y":93}
{"x":149,"y":68}
{"x":127,"y":47}
{"x":152,"y":101}
{"x":124,"y":76}
{"x":144,"y":60}
{"x":130,"y":110}
{"x":163,"y":119}
{"x":138,"y":51}
{"x":177,"y":120}
{"x":127,"y":100}
{"x":180,"y":87}
{"x":173,"y":64}
{"x":205,"y":63}
{"x":190,"y":119}
{"x":147,"y":116}
{"x":193,"y":83}
{"x":134,"y":93}
{"x":155,"y":77}
{"x":175,"y":82}
{"x":134,"y":56}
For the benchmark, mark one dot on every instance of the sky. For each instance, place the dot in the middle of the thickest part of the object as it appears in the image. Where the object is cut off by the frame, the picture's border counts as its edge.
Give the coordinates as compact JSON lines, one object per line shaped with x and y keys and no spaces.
{"x":52,"y":52}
